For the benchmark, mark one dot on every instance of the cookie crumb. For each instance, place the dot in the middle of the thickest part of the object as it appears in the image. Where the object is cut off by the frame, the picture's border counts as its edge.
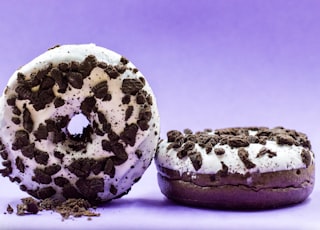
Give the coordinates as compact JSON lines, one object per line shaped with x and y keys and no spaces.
{"x":69,"y":208}
{"x":28,"y":206}
{"x":9,"y":209}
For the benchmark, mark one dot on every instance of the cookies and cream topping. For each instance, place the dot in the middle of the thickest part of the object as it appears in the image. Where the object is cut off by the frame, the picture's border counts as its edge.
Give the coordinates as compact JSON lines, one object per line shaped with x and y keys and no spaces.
{"x":41,"y":98}
{"x":235,"y":150}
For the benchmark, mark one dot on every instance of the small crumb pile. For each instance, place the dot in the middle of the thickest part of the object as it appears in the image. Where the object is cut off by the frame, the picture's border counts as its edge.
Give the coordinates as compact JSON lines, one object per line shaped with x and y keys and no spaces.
{"x":68,"y":208}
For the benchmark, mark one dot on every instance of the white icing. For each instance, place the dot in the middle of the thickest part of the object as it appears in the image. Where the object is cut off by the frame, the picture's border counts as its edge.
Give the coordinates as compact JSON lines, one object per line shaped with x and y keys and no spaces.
{"x":114,"y":111}
{"x":287,"y":158}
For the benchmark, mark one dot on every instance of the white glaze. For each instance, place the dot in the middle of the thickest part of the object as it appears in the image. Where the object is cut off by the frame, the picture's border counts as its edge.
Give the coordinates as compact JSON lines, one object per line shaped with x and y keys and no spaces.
{"x":114,"y":111}
{"x":288,"y":157}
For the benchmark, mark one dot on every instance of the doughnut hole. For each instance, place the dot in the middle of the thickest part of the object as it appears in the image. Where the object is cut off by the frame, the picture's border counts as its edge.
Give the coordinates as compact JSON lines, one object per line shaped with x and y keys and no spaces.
{"x":77,"y":124}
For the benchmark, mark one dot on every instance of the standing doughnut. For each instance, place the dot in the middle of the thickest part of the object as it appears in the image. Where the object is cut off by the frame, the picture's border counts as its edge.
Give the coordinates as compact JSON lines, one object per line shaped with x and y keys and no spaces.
{"x":236,"y":168}
{"x":102,"y":163}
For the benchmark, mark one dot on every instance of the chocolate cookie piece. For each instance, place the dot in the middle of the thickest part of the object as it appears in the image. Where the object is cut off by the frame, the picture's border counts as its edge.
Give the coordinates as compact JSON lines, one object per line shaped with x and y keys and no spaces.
{"x":236,"y":168}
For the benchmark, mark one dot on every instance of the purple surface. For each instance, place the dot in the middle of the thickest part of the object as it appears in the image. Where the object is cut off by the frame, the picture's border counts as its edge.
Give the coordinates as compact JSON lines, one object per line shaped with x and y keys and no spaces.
{"x":210,"y":63}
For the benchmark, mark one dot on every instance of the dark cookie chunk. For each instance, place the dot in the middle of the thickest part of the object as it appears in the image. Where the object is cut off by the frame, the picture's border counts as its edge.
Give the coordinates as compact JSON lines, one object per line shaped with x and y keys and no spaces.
{"x":303,"y":141}
{"x":113,"y":190}
{"x":202,"y":139}
{"x":28,"y":151}
{"x":90,"y":188}
{"x":61,"y":181}
{"x":143,"y":125}
{"x":186,"y":149}
{"x":124,"y":61}
{"x":284,"y":140}
{"x":252,"y":139}
{"x":101,"y":91}
{"x":62,"y":122}
{"x":244,"y":157}
{"x":129,"y":112}
{"x":21,"y":140}
{"x":149,"y":100}
{"x":264,"y":132}
{"x":28,"y":206}
{"x":102,"y":118}
{"x":58,"y":155}
{"x":263,"y":151}
{"x":81,"y":167}
{"x":175,"y":138}
{"x":120,"y":153}
{"x":52,"y":169}
{"x":51,"y":125}
{"x":88,"y":65}
{"x":41,"y":157}
{"x":24,"y":93}
{"x":106,"y":145}
{"x":57,"y":75}
{"x":129,"y":134}
{"x":64,"y":67}
{"x":11,"y":101}
{"x":131,"y":86}
{"x":187,"y":131}
{"x":174,"y":135}
{"x":27,"y":120}
{"x":8,"y":168}
{"x":20,"y":165}
{"x":227,"y":131}
{"x":43,"y":98}
{"x":16,"y":111}
{"x":208,"y":148}
{"x":9,"y":209}
{"x":46,"y":192}
{"x":196,"y":160}
{"x":141,"y":97}
{"x":145,"y":114}
{"x":111,"y":71}
{"x":3,"y":153}
{"x":238,"y":141}
{"x":16,"y":120}
{"x":74,"y":66}
{"x":113,"y":137}
{"x":88,"y":105}
{"x":47,"y":83}
{"x":120,"y":68}
{"x":98,"y":166}
{"x":41,"y":177}
{"x":70,"y":192}
{"x":42,"y":132}
{"x":15,"y":179}
{"x":306,"y":157}
{"x":219,"y":151}
{"x":224,"y":171}
{"x":75,"y":80}
{"x":126,"y":99}
{"x":58,"y":102}
{"x":138,"y":153}
{"x":109,"y":168}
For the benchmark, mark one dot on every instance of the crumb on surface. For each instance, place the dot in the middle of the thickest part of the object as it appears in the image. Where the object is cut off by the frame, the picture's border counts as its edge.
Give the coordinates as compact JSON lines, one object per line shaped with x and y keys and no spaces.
{"x":68,"y":208}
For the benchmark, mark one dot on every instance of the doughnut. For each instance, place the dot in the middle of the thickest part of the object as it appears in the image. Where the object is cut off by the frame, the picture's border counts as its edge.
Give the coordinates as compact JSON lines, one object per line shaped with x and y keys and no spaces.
{"x":242,"y":168}
{"x":40,"y":153}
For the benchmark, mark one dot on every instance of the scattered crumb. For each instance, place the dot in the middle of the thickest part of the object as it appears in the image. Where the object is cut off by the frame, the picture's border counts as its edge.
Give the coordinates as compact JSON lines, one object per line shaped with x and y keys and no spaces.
{"x":68,"y":208}
{"x":9,"y":209}
{"x":28,"y":206}
{"x":76,"y":208}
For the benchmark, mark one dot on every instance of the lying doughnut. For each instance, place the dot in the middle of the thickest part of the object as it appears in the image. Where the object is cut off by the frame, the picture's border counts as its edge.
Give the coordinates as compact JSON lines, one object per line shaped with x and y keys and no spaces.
{"x":236,"y":168}
{"x":113,"y":151}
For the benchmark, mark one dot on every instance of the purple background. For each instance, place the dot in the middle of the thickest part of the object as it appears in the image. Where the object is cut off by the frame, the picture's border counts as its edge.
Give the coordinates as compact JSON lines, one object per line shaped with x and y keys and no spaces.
{"x":211,"y":64}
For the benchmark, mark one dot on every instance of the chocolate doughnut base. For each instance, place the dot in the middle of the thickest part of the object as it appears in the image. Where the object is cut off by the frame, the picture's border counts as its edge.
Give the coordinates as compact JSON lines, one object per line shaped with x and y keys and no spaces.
{"x":242,"y":197}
